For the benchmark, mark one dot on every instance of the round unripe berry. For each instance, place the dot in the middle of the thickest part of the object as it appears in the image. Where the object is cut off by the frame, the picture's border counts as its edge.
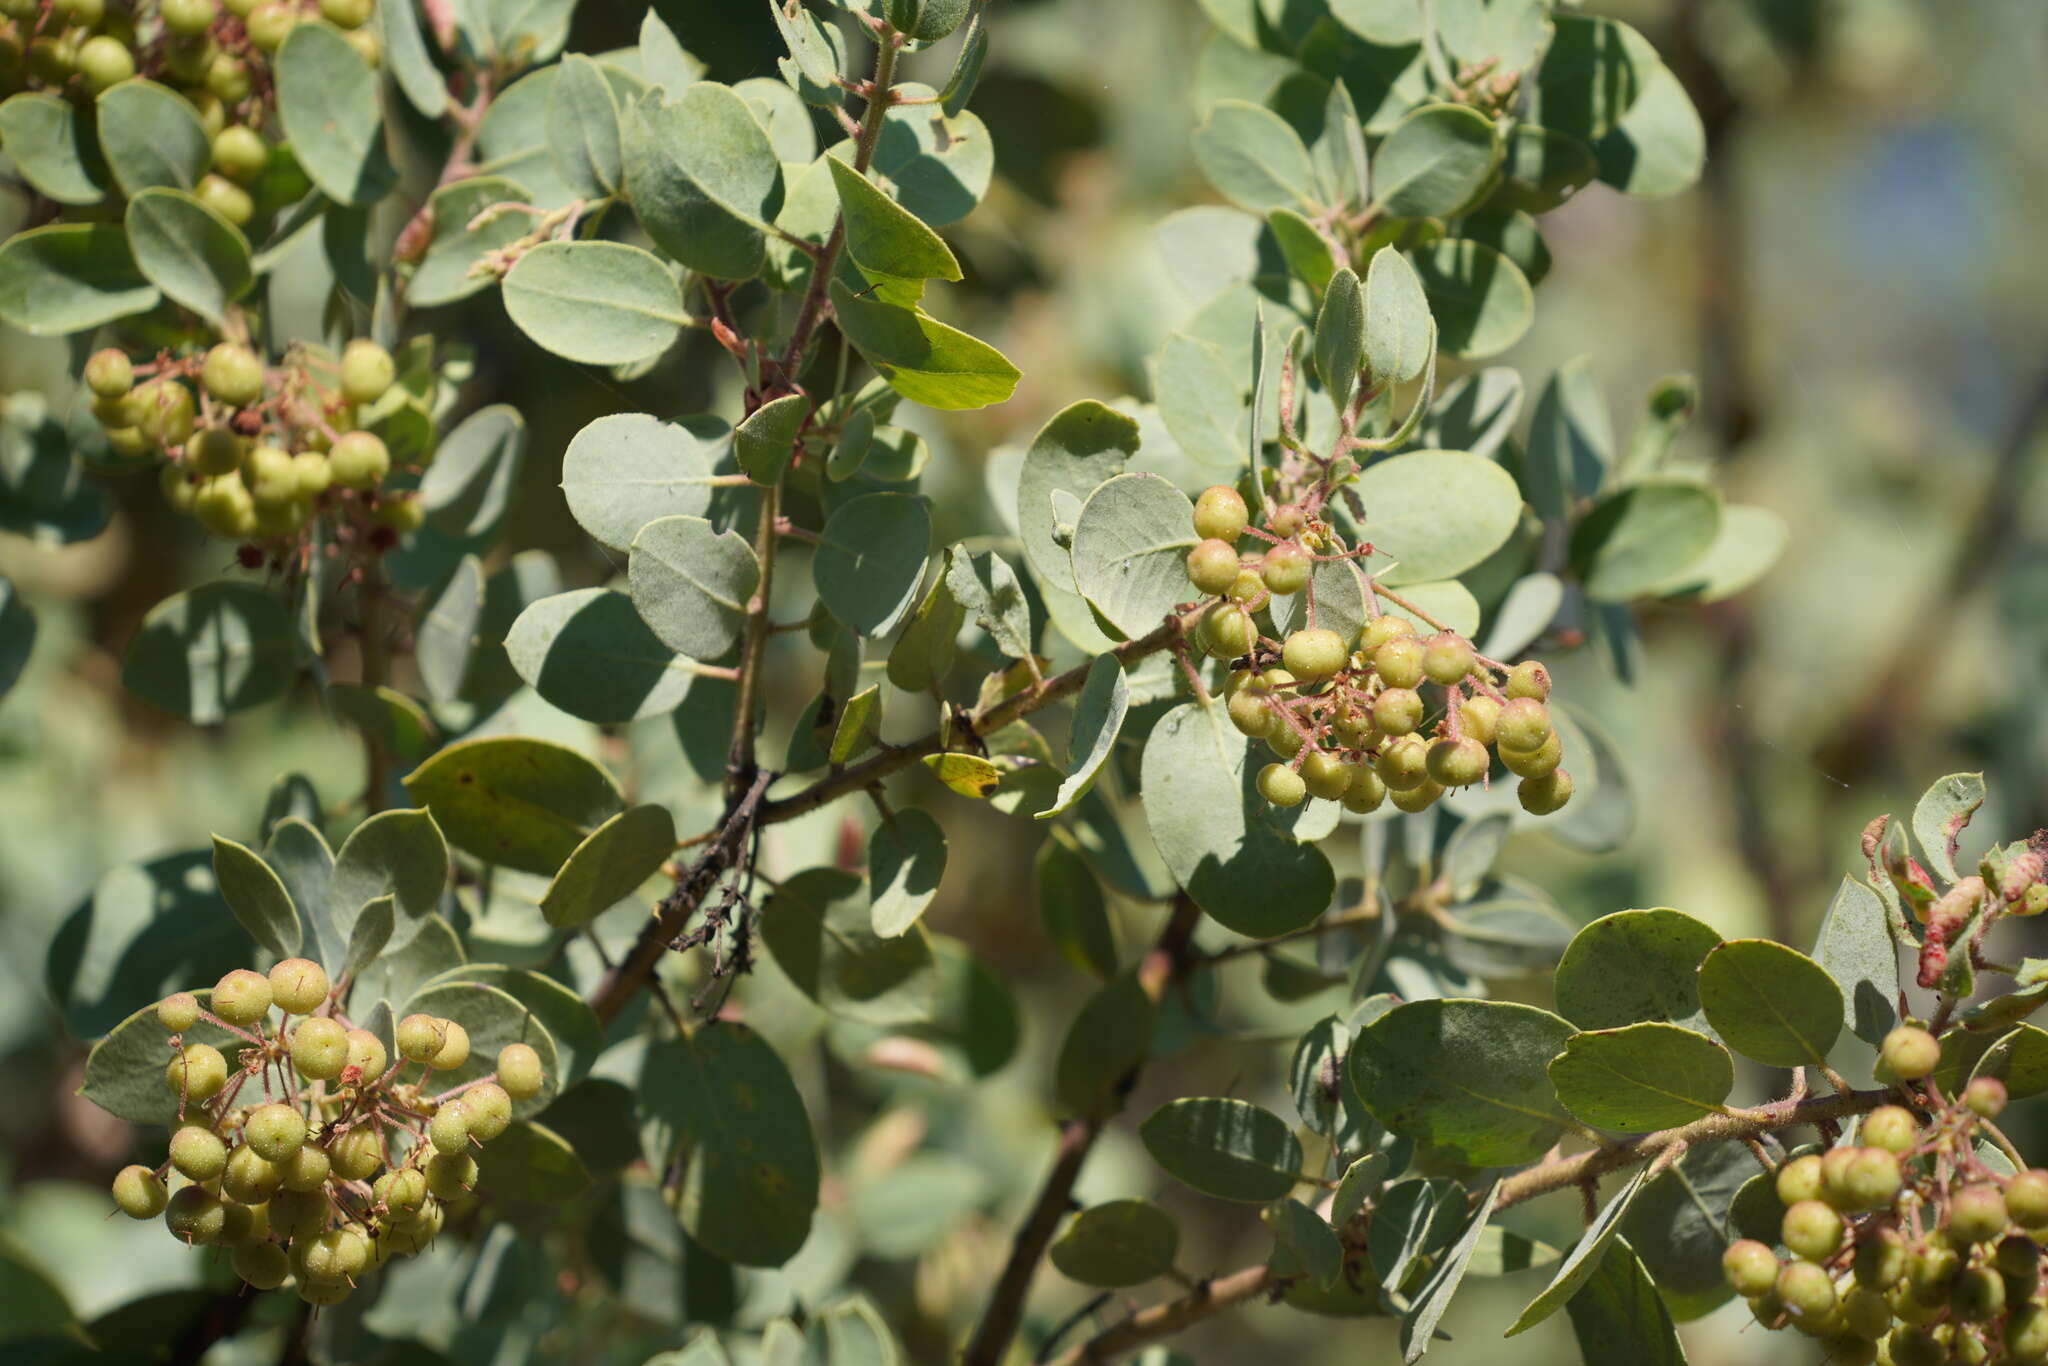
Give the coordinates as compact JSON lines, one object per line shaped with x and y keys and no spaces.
{"x":226,"y":198}
{"x":403,"y":1190}
{"x":263,"y":1266}
{"x":225,"y":507}
{"x":233,"y":375}
{"x":450,"y":1176}
{"x":1479,"y":719}
{"x":269,"y":22}
{"x":2026,"y":1198}
{"x":1985,"y":1097}
{"x":1866,"y":1313}
{"x":1314,"y":654}
{"x":168,"y":412}
{"x":1528,"y":679}
{"x":1750,"y":1268}
{"x":1250,"y":714}
{"x":1890,"y":1127}
{"x":305,"y":1170}
{"x":1354,"y":727}
{"x":1399,"y":662}
{"x":214,"y":452}
{"x":189,"y":18}
{"x":313,"y":473}
{"x":1913,"y":1345}
{"x":1930,"y":1271}
{"x":1976,"y":1214}
{"x":403,"y":515}
{"x":298,"y":986}
{"x":110,"y":374}
{"x":195,"y":1215}
{"x":1220,"y":514}
{"x":1285,"y":568}
{"x":104,"y":61}
{"x":1397,"y":711}
{"x":1812,"y":1230}
{"x":1382,"y":629}
{"x":357,"y":1154}
{"x":1834,"y":1173}
{"x":139,"y":1194}
{"x":1799,"y":1179}
{"x":240,"y":153}
{"x":1880,"y":1258}
{"x":420,"y":1037}
{"x":519,"y":1071}
{"x":1447,"y":658}
{"x":1281,"y":785}
{"x":319,"y":1048}
{"x":1366,"y":792}
{"x":454,"y":1049}
{"x":1807,"y":1290}
{"x":228,"y":79}
{"x":1979,"y":1294}
{"x":2018,"y":1258}
{"x":2026,"y":1333}
{"x":54,"y":59}
{"x":250,"y":1178}
{"x":490,"y":1110}
{"x":275,"y":1131}
{"x":324,"y":1294}
{"x":2034,"y":902}
{"x":1247,"y":588}
{"x":368,"y":371}
{"x":1533,"y":763}
{"x":1545,"y":795}
{"x":1420,"y":797}
{"x":448,"y":1130}
{"x":1910,"y":1053}
{"x":297,"y":1213}
{"x":347,"y":13}
{"x":1872,"y":1179}
{"x":1524,"y":724}
{"x":1403,"y":764}
{"x":1457,"y":763}
{"x":198,"y":1073}
{"x":1326,"y":775}
{"x":1284,"y":740}
{"x":197,"y":1152}
{"x":366,"y":1053}
{"x":178,"y":1012}
{"x":1212,"y":566}
{"x":336,"y":1254}
{"x":1228,"y":631}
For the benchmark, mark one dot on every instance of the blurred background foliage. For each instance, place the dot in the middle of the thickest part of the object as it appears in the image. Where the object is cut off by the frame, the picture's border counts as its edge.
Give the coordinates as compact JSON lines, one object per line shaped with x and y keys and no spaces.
{"x":1858,"y":285}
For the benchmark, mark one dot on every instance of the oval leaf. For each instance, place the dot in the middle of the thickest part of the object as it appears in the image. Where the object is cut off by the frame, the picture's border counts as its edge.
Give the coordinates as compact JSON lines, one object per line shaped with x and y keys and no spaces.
{"x":906,"y":860}
{"x":1466,"y":1076}
{"x":257,"y":897}
{"x":598,"y":303}
{"x":1130,"y":551}
{"x":692,"y":584}
{"x":1771,"y":1003}
{"x":1122,"y":1243}
{"x":327,"y":99}
{"x":1231,"y":1149}
{"x":871,"y":559}
{"x":520,"y":803}
{"x":1642,"y":1077}
{"x":624,"y":471}
{"x":591,"y":654}
{"x":609,"y":866}
{"x":1632,"y":966}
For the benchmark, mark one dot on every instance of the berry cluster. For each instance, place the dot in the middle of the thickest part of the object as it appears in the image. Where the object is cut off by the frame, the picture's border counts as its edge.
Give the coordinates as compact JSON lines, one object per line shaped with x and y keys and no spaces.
{"x":341,"y":1165}
{"x":216,"y":53}
{"x":256,"y":452}
{"x":1348,"y":717}
{"x":1905,"y":1246}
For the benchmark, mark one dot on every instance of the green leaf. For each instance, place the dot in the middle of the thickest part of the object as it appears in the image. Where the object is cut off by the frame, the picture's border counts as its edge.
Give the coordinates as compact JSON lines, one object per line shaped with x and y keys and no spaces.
{"x":1541,"y":168}
{"x":151,"y":136}
{"x":1254,"y":157}
{"x":1413,"y":1223}
{"x":447,"y":273}
{"x":1122,"y":1243}
{"x":1642,"y":1077}
{"x":327,"y":99}
{"x":609,"y":866}
{"x":493,"y":1019}
{"x":1303,"y":1244}
{"x":906,"y":860}
{"x":1749,"y":542}
{"x":1341,"y":336}
{"x":692,"y":584}
{"x":17,"y":635}
{"x":1082,"y":446}
{"x":809,"y":42}
{"x":70,"y":277}
{"x":1940,"y":816}
{"x":530,"y":1164}
{"x":1633,"y":966}
{"x":1076,"y":916}
{"x":1202,"y":401}
{"x":767,"y":439}
{"x":1434,"y":514}
{"x":1619,"y":1316}
{"x":597,"y":303}
{"x":1684,"y":1219}
{"x":1130,"y":550}
{"x":124,"y":1073}
{"x":583,"y":129}
{"x":1590,"y":77}
{"x":923,"y":655}
{"x":2019,"y":1059}
{"x":1481,"y":300}
{"x":208,"y":653}
{"x":724,"y":1106}
{"x":820,"y":927}
{"x":1098,"y":719}
{"x":1855,"y":946}
{"x":399,"y":852}
{"x":299,"y":853}
{"x":1435,"y":163}
{"x":924,"y":360}
{"x":1583,"y":1260}
{"x":870,"y":560}
{"x":469,"y":487}
{"x":985,"y":586}
{"x":1771,"y":1003}
{"x":859,"y":726}
{"x":941,"y":166}
{"x":1233,"y":851}
{"x":856,"y":439}
{"x":1400,"y":335}
{"x":1231,"y":1149}
{"x":1109,"y":1039}
{"x":887,"y":241}
{"x":1660,"y":146}
{"x":369,"y":933}
{"x":1466,"y":1076}
{"x":624,"y":471}
{"x":1644,"y":535}
{"x":1426,"y":1310}
{"x":1571,"y":440}
{"x":516,"y":802}
{"x":590,"y":653}
{"x":704,"y":179}
{"x":1307,"y":251}
{"x":52,"y":148}
{"x":405,"y":56}
{"x":147,"y":929}
{"x":33,"y":1308}
{"x":256,"y":897}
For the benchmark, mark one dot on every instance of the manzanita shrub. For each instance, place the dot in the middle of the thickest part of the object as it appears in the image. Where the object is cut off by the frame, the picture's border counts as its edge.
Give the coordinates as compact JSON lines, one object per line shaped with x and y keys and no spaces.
{"x":1255,"y":660}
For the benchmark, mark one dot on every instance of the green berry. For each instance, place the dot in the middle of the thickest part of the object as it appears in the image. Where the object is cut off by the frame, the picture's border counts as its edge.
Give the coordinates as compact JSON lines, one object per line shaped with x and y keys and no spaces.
{"x":1930,"y":1272}
{"x":139,"y":1193}
{"x":168,"y":412}
{"x":263,"y":1266}
{"x":198,"y":1073}
{"x":1872,"y":1179}
{"x":1314,"y":654}
{"x":1447,"y":658}
{"x":2026,"y":1198}
{"x":1533,"y":763}
{"x":324,"y":1294}
{"x":195,"y":1215}
{"x":178,"y":1012}
{"x":1367,"y":790}
{"x":227,"y":199}
{"x":319,"y":1048}
{"x":298,"y":1213}
{"x":1250,"y":714}
{"x":1545,"y":795}
{"x":1220,"y":514}
{"x":1212,"y":566}
{"x":1228,"y":631}
{"x":1524,"y":724}
{"x":1247,"y":588}
{"x":214,"y":452}
{"x":306,"y":1169}
{"x":1281,"y":785}
{"x":448,"y":1130}
{"x":368,"y":371}
{"x":1399,"y":662}
{"x":420,"y":1037}
{"x":1807,"y":1290}
{"x":347,"y":13}
{"x":1978,"y":1295}
{"x":366,"y":1053}
{"x":225,"y":507}
{"x":240,"y":153}
{"x":269,"y":23}
{"x":233,"y":375}
{"x":1397,"y":711}
{"x":1284,"y":740}
{"x":242,"y":997}
{"x":1528,"y":679}
{"x":1457,"y":763}
{"x":2017,"y":1257}
{"x":104,"y":62}
{"x":450,"y":1176}
{"x":359,"y":460}
{"x":490,"y":1110}
{"x":298,"y":986}
{"x":1326,"y":775}
{"x":1910,"y":1053}
{"x":275,"y":1131}
{"x":313,"y":472}
{"x":358,"y":1154}
{"x":250,"y":1178}
{"x":198,"y":1152}
{"x":1418,"y":798}
{"x":1890,"y":1127}
{"x":1382,"y":629}
{"x":1812,"y":1230}
{"x":336,"y":1254}
{"x":1985,"y":1097}
{"x":1976,"y":1214}
{"x":1403,"y":764}
{"x":1799,"y":1179}
{"x":189,"y":18}
{"x":454,"y":1050}
{"x":1479,"y":719}
{"x":1750,"y":1268}
{"x":1867,"y":1313}
{"x":519,"y":1071}
{"x":403,"y":515}
{"x":403,"y":1190}
{"x":110,"y":374}
{"x":268,"y":472}
{"x":2026,"y":1332}
{"x":1285,"y":568}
